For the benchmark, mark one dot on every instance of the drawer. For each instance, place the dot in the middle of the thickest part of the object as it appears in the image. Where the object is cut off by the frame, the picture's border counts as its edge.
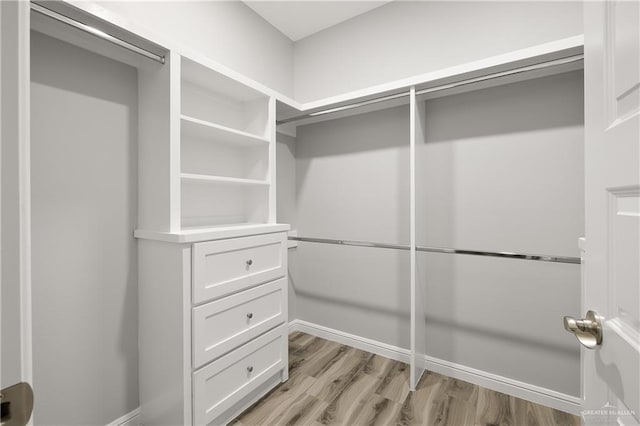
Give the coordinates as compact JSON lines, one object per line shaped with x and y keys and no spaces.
{"x":228,"y":266}
{"x":227,"y":323}
{"x":224,"y":382}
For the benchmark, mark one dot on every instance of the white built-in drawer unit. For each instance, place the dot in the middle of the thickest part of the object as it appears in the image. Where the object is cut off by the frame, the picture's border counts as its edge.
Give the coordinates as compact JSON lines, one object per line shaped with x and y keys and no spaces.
{"x":226,"y":381}
{"x":212,"y":261}
{"x":224,"y":324}
{"x":228,"y":266}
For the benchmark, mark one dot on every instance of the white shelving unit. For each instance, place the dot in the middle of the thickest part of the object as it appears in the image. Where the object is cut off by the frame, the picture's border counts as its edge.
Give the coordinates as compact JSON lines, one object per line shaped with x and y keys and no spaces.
{"x":209,"y":247}
{"x":211,"y":162}
{"x":225,"y":141}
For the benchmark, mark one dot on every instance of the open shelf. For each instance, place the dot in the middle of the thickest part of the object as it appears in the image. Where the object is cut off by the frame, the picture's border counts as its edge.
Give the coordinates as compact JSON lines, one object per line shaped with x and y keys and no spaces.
{"x":200,"y":75}
{"x":222,"y":179}
{"x":201,"y":129}
{"x":225,"y":202}
{"x":211,"y":97}
{"x":224,"y":152}
{"x":212,"y":158}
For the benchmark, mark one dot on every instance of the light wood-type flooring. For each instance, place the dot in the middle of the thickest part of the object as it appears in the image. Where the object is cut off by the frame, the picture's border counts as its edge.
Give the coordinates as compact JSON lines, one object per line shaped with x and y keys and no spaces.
{"x":333,"y":384}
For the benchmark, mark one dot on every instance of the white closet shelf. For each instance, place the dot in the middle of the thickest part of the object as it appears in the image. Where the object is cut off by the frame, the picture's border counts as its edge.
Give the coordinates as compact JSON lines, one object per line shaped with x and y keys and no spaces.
{"x":544,"y":52}
{"x":201,"y":129}
{"x":222,"y":179}
{"x":204,"y":76}
{"x":208,"y":233}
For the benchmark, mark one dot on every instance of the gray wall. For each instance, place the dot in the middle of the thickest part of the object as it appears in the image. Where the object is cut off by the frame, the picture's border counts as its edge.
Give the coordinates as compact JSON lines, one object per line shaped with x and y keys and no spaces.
{"x":352,"y":183}
{"x":84,"y":174}
{"x":226,"y":31}
{"x":286,"y":202}
{"x":500,"y":169}
{"x":405,"y":38}
{"x":397,"y":40}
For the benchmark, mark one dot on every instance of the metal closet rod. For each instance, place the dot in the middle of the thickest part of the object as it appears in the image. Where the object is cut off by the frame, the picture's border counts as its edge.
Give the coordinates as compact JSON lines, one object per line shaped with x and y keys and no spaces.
{"x":508,"y":255}
{"x":96,"y":32}
{"x":515,"y":71}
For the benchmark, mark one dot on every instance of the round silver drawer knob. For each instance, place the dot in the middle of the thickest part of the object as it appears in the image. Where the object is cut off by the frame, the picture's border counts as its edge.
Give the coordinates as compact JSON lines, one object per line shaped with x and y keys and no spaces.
{"x":250,"y":315}
{"x":250,"y":369}
{"x":249,"y":262}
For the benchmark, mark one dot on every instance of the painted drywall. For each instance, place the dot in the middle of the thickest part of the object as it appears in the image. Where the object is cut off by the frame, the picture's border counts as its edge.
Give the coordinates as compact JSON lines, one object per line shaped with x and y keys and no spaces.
{"x":286,"y":203}
{"x":352,"y":183}
{"x":500,"y":169}
{"x":406,"y":38}
{"x":84,"y":208}
{"x":228,"y":32}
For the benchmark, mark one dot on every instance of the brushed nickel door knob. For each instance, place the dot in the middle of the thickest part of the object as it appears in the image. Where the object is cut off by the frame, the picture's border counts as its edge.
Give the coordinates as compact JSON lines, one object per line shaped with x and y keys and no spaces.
{"x":588,"y":330}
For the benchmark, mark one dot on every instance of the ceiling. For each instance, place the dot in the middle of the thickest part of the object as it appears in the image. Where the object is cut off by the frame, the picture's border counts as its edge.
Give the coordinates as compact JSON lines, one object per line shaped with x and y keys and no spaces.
{"x":301,"y":18}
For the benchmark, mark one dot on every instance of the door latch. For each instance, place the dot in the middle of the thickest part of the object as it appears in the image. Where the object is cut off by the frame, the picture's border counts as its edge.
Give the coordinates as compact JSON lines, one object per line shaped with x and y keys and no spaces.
{"x":16,"y":404}
{"x":588,"y":330}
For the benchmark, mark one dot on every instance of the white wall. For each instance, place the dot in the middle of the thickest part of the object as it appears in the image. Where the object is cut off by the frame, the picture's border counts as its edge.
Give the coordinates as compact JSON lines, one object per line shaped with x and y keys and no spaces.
{"x":405,"y":38}
{"x":501,"y":169}
{"x":226,"y":31}
{"x":84,"y":206}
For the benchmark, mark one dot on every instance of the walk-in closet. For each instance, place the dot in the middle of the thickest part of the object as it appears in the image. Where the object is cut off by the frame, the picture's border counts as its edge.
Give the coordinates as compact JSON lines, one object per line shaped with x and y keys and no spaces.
{"x":329,"y":213}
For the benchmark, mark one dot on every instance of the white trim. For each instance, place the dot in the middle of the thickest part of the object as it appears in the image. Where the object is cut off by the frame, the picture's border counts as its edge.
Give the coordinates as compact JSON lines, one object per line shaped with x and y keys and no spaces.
{"x":414,"y":373}
{"x":271,"y":162}
{"x":369,"y":345}
{"x":539,"y":395}
{"x":567,"y":45}
{"x":222,"y":232}
{"x":129,"y":419}
{"x":24,"y":189}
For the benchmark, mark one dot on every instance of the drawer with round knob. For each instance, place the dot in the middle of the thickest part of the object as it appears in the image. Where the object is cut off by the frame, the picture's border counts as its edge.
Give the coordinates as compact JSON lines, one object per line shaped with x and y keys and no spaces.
{"x":224,"y":267}
{"x":224,"y":382}
{"x":224,"y":324}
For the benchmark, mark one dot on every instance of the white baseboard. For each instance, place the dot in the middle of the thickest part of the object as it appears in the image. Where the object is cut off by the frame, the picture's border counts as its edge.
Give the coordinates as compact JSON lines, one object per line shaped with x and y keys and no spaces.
{"x":539,"y":395}
{"x":129,"y":419}
{"x":369,"y":345}
{"x":529,"y":392}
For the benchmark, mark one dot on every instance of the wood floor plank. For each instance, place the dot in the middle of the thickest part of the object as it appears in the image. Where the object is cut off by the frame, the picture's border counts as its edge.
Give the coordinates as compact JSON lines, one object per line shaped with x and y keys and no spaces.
{"x":561,"y":418}
{"x":395,"y":384}
{"x":301,"y":412}
{"x":299,"y":339}
{"x":315,"y":364}
{"x":311,"y":347}
{"x":332,"y":381}
{"x":460,"y":389}
{"x":530,"y":414}
{"x":272,"y":406}
{"x":377,"y":411}
{"x":379,"y":366}
{"x":419,"y":405}
{"x":333,"y":384}
{"x":449,"y":410}
{"x":349,"y":402}
{"x":494,"y":408}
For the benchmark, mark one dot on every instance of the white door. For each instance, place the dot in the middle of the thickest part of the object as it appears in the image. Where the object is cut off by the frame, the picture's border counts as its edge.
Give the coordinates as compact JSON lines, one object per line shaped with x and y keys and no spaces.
{"x":15,"y":333}
{"x":611,"y":371}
